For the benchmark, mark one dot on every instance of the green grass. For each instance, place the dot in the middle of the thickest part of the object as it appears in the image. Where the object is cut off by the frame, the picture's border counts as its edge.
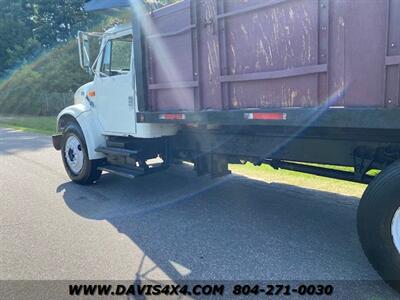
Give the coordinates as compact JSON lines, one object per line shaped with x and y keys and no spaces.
{"x":44,"y":125}
{"x":44,"y":86}
{"x":268,"y":174}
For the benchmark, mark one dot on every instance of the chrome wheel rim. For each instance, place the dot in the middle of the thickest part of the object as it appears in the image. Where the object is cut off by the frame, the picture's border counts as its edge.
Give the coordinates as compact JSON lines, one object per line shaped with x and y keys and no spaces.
{"x":396,"y":229}
{"x":74,"y":154}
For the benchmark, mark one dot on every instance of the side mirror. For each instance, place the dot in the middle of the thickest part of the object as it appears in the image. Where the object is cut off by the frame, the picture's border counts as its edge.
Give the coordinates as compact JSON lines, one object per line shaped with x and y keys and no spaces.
{"x":89,"y":47}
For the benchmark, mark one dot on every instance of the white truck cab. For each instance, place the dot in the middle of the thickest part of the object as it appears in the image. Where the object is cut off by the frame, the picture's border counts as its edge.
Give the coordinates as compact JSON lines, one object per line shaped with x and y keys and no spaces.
{"x":104,"y":109}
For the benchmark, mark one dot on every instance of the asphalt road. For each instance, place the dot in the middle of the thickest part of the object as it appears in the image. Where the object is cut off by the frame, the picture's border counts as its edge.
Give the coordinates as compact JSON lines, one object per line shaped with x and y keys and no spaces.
{"x":170,"y":226}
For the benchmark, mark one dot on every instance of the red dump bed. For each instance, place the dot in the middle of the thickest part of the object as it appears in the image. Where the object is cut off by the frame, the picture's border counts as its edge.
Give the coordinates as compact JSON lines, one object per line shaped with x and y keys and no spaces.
{"x":239,"y":54}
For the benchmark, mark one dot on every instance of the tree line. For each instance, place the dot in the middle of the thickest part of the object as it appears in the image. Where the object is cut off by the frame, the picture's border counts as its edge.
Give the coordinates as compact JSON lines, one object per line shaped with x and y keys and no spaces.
{"x":29,"y":26}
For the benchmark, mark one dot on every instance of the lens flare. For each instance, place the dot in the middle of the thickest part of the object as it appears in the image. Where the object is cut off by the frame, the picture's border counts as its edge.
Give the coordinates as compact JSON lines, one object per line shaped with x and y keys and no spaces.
{"x":164,"y":60}
{"x":162,"y":57}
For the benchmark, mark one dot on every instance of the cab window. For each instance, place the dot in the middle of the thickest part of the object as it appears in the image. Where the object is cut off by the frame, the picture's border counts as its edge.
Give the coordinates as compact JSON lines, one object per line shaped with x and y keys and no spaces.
{"x":117,"y":56}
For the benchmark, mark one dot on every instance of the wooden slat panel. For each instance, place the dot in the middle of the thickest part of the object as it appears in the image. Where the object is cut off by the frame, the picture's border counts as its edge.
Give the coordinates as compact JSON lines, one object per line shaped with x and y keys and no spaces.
{"x":364,"y":25}
{"x":170,"y":48}
{"x":209,"y":53}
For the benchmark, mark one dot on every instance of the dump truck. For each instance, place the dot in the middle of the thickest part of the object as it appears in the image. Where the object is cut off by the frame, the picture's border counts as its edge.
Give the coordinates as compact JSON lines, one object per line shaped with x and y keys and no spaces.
{"x":295,"y":84}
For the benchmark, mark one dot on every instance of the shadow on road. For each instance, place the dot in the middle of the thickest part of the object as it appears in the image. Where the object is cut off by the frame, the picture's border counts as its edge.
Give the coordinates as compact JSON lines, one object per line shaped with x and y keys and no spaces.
{"x":12,"y":141}
{"x":231,"y":229}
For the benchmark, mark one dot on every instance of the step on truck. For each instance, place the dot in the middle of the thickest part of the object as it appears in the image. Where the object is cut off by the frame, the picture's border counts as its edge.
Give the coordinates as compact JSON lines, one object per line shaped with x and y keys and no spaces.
{"x":294,"y":84}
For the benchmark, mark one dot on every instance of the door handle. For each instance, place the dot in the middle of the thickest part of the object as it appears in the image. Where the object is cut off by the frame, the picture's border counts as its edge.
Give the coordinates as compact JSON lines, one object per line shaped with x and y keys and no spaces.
{"x":130,"y":102}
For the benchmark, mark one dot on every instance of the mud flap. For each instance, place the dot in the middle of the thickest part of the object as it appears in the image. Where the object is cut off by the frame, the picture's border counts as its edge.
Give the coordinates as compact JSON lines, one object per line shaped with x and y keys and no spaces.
{"x":57,"y":139}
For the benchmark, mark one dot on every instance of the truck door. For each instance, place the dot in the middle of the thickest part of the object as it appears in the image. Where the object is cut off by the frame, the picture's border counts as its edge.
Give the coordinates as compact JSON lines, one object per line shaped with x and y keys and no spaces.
{"x":115,"y":103}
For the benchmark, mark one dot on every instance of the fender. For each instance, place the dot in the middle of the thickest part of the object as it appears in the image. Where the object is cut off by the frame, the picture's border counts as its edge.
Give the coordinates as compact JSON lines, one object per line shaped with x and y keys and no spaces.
{"x":91,"y":128}
{"x":73,"y":111}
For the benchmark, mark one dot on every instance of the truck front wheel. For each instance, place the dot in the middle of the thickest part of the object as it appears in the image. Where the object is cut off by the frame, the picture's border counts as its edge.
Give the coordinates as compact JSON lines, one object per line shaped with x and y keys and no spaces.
{"x":75,"y":157}
{"x":379,"y":224}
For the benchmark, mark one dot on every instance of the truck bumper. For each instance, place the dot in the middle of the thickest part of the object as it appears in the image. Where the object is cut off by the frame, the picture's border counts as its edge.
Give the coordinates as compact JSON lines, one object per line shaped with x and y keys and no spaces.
{"x":57,"y":138}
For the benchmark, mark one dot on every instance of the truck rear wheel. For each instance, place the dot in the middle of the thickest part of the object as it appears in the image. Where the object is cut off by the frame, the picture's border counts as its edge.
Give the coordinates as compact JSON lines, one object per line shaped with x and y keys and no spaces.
{"x":75,"y":157}
{"x":379,"y":224}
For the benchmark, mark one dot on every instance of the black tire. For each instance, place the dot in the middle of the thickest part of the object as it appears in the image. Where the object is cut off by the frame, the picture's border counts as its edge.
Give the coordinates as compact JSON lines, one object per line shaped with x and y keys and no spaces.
{"x":89,"y":173}
{"x":377,"y":208}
